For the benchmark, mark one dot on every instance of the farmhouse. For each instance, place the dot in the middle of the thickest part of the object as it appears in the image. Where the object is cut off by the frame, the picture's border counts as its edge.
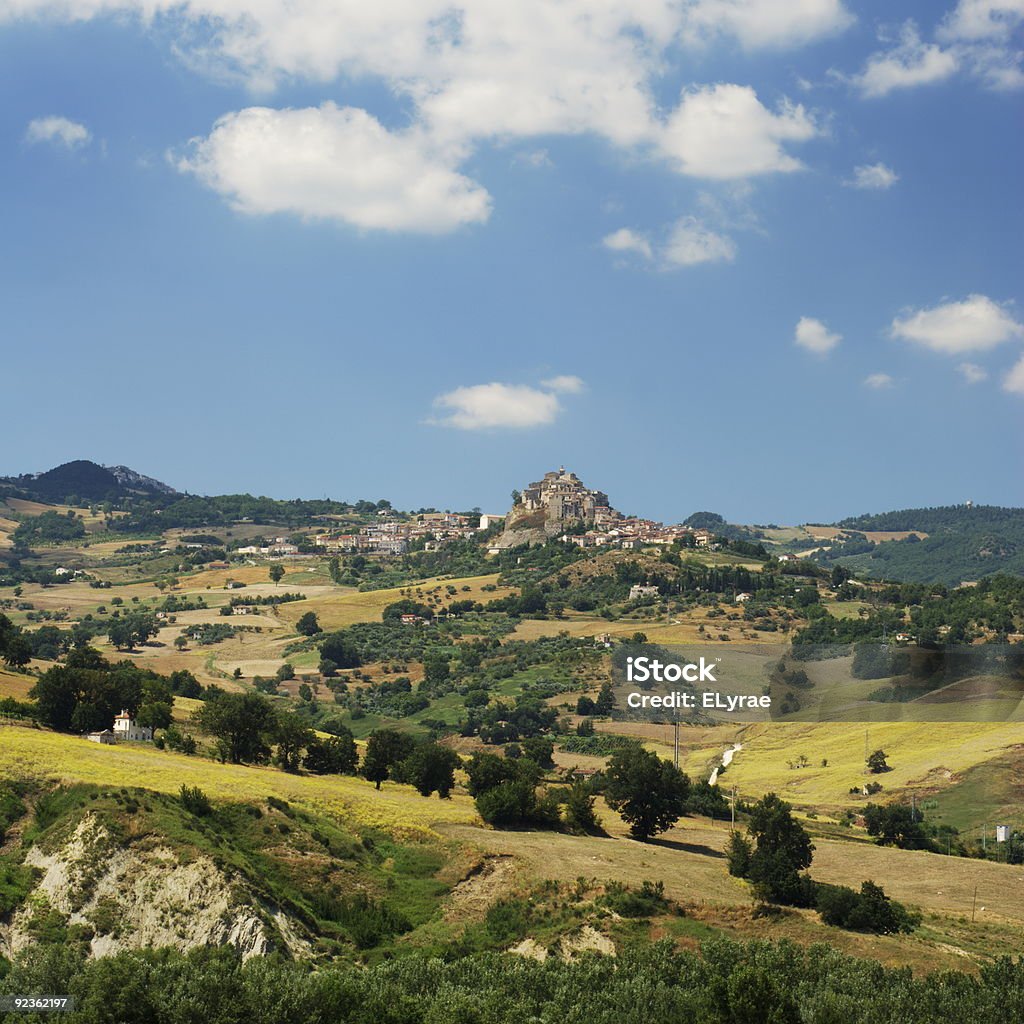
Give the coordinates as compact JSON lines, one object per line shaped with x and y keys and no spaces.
{"x":126,"y":728}
{"x":639,"y":590}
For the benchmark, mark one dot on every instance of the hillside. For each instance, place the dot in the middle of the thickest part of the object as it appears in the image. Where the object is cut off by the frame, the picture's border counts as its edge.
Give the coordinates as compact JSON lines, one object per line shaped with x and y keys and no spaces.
{"x":955,"y":544}
{"x":119,"y":868}
{"x":84,"y":481}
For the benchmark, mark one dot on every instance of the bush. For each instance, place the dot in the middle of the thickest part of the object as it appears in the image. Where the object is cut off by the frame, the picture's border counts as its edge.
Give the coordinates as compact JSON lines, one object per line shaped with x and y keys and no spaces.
{"x":195,"y":801}
{"x":870,"y":910}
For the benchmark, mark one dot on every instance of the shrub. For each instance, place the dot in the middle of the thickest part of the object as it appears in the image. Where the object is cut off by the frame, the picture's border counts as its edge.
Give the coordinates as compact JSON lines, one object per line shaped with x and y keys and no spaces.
{"x":195,"y":801}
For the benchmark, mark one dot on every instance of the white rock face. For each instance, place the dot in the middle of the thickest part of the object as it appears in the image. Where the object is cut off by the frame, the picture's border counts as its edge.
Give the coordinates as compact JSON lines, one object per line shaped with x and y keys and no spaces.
{"x":136,"y":897}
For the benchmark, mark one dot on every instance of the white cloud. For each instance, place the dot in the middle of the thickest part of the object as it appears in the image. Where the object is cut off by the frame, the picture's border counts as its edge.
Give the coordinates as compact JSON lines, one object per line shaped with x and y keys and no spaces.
{"x":690,"y":242}
{"x":467,"y":73}
{"x":973,"y":373}
{"x":878,"y":381}
{"x":335,"y":163}
{"x":723,"y":131}
{"x":57,"y":130}
{"x":686,"y":243}
{"x":628,"y":240}
{"x":909,"y":64}
{"x":976,"y":38}
{"x":982,"y":19}
{"x":489,"y":406}
{"x":566,"y":384}
{"x":767,"y":23}
{"x":873,"y":176}
{"x":1013,"y":382}
{"x":974,"y":325}
{"x":814,"y":336}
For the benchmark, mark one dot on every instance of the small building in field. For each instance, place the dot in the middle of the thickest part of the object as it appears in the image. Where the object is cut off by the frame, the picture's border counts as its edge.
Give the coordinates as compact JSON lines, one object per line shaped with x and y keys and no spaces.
{"x":640,"y":590}
{"x":126,"y":728}
{"x":743,"y":598}
{"x":103,"y":736}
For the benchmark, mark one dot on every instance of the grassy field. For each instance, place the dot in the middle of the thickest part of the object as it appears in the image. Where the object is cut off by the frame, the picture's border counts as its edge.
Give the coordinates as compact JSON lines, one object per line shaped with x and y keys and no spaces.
{"x":35,"y":753}
{"x":337,"y":610}
{"x":690,"y":860}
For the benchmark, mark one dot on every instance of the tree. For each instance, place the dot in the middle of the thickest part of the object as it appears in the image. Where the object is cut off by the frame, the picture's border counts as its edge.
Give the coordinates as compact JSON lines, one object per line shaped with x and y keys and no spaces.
{"x":430,"y":767}
{"x":244,"y":723}
{"x":305,"y":692}
{"x":336,"y":755}
{"x":284,"y":672}
{"x":649,"y":793}
{"x":292,"y":735}
{"x":877,"y":763}
{"x":782,"y":850}
{"x":308,"y":624}
{"x":17,"y":652}
{"x":737,"y":854}
{"x":895,"y":824}
{"x":486,"y":771}
{"x":580,"y":816}
{"x":436,"y":669}
{"x":339,"y":648}
{"x":277,"y":572}
{"x":384,"y":749}
{"x":605,"y":703}
{"x":155,"y":715}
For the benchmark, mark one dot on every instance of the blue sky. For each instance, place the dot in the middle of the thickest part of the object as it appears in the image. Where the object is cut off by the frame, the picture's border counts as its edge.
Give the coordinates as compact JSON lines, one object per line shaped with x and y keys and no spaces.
{"x":751,"y":256}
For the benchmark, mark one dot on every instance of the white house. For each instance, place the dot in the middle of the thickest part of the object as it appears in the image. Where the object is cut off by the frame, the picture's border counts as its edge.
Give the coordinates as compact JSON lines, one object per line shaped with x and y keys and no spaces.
{"x":743,"y":598}
{"x":639,"y":590}
{"x":126,"y":728}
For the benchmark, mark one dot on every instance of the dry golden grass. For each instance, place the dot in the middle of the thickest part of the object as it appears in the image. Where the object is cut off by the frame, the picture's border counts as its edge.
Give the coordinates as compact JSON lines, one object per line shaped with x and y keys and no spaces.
{"x":339,"y":608}
{"x":690,"y":861}
{"x":14,"y":684}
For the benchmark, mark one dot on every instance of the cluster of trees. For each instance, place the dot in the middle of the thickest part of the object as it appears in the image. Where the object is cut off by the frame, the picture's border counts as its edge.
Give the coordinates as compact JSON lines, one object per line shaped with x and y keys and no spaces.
{"x":87,"y":691}
{"x":726,"y":982}
{"x":774,"y":857}
{"x":869,"y":910}
{"x":158,"y":513}
{"x":399,"y":757}
{"x":505,"y":792}
{"x":248,"y":729}
{"x":49,"y":528}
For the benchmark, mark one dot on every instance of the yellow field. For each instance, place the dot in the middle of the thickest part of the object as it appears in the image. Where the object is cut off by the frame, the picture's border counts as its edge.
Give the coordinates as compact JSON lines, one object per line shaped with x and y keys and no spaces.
{"x":33,"y":753}
{"x":923,"y":756}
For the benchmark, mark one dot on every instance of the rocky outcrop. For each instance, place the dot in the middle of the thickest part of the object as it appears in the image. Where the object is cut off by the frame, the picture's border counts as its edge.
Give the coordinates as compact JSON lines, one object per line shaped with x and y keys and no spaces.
{"x":131,"y":897}
{"x":548,"y":507}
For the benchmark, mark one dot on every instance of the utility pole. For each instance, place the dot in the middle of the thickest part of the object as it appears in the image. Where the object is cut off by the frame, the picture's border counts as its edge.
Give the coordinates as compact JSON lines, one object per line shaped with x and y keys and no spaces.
{"x":974,"y":905}
{"x":734,"y":808}
{"x":675,"y":738}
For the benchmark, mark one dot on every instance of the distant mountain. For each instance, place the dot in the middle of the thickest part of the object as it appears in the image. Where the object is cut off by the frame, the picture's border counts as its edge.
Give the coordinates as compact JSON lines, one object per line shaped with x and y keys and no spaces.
{"x":88,"y":481}
{"x":957,"y":543}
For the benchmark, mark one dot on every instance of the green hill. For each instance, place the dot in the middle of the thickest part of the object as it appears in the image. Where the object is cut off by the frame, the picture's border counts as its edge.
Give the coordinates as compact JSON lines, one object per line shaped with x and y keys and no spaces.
{"x":963,"y":543}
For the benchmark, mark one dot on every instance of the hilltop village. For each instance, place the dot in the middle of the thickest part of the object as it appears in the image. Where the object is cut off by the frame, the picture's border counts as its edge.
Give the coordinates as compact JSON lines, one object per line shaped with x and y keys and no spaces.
{"x":558,"y":506}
